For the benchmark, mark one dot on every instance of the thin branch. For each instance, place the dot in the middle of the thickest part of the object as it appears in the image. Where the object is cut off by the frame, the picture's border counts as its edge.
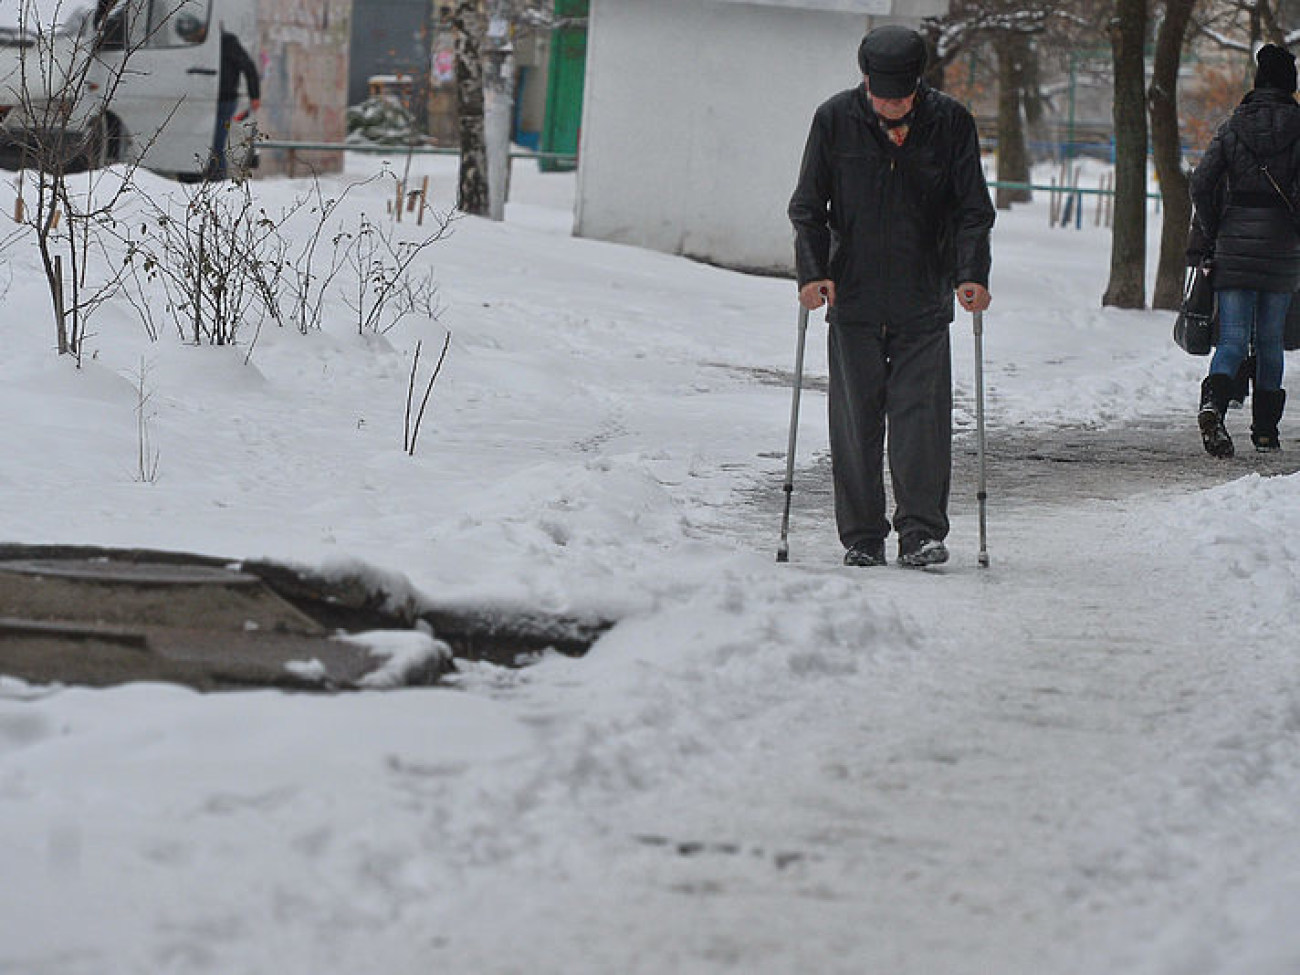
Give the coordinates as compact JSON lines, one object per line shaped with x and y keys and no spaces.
{"x":419,"y":417}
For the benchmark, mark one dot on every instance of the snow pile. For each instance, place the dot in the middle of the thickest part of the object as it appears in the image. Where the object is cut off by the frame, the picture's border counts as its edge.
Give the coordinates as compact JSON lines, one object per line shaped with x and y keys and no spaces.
{"x":407,"y":654}
{"x":381,"y":120}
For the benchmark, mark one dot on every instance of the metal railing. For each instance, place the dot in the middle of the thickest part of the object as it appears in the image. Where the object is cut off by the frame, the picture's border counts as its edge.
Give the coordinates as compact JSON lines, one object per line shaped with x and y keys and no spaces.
{"x":1057,"y":188}
{"x":1066,"y":201}
{"x":295,"y":147}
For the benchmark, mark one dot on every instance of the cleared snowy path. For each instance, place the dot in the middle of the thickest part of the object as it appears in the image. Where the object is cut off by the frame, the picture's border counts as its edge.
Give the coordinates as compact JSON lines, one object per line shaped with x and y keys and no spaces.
{"x":1068,"y":750}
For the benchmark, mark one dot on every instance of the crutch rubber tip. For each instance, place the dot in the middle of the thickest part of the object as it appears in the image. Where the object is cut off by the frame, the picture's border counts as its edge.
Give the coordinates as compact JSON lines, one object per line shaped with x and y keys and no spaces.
{"x":984,"y":560}
{"x":782,"y":555}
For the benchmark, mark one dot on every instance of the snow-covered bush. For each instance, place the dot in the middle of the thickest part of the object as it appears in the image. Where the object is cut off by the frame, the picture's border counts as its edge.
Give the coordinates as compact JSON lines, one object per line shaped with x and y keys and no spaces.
{"x":382,"y":120}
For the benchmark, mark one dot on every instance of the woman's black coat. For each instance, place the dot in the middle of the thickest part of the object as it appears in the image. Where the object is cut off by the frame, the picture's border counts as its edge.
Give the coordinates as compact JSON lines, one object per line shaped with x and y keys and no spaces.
{"x":1254,"y":235}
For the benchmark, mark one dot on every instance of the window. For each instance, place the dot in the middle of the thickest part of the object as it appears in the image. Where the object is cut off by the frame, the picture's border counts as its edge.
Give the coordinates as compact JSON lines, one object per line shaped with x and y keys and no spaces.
{"x":178,"y":23}
{"x":110,"y":21}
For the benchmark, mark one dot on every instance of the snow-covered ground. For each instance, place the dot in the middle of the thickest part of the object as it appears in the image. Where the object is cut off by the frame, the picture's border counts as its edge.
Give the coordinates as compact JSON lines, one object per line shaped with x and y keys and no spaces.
{"x":1084,"y":759}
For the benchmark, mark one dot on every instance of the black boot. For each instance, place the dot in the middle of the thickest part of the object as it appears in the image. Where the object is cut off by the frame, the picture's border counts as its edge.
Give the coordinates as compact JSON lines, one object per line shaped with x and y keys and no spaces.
{"x":1267,"y":408}
{"x":1215,"y":391}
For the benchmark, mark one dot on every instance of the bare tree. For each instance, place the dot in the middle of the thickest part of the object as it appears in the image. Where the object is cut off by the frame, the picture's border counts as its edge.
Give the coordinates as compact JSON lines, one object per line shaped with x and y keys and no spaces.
{"x":483,"y":27}
{"x":50,"y":80}
{"x":61,"y":89}
{"x":1237,"y":27}
{"x":1013,"y":149}
{"x":1166,"y":146}
{"x":1015,"y":31}
{"x":1128,"y":28}
{"x":473,"y":182}
{"x":1245,"y":24}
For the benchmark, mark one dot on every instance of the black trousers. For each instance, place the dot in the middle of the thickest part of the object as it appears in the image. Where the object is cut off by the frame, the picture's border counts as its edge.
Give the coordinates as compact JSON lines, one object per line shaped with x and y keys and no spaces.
{"x":895,"y":386}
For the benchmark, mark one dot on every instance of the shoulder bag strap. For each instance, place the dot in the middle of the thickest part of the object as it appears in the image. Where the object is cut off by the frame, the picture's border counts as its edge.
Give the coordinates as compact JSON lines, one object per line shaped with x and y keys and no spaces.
{"x":1295,"y":217}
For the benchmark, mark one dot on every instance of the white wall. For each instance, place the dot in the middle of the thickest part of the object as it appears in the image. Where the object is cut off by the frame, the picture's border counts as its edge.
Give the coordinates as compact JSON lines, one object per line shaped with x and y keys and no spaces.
{"x":694,"y":121}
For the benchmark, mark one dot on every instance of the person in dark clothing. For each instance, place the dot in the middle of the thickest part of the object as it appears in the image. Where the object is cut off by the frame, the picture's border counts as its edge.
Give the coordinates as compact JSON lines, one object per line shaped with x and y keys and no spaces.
{"x":235,"y":63}
{"x":102,"y":9}
{"x":891,"y":216}
{"x":1245,"y":191}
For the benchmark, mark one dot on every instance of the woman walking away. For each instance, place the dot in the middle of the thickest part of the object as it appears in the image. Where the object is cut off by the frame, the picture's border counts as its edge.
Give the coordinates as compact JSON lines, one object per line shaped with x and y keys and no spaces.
{"x":1245,"y":191}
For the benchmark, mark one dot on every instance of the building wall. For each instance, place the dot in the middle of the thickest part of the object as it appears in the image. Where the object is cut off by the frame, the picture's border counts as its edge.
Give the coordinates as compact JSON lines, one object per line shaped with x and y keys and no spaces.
{"x":389,"y":37}
{"x":443,"y":121}
{"x":532,"y":64}
{"x":695,"y":116}
{"x":303,"y":58}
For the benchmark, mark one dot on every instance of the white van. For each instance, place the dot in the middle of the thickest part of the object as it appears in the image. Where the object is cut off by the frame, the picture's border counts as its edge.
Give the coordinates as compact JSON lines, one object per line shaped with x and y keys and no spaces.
{"x":144,"y":79}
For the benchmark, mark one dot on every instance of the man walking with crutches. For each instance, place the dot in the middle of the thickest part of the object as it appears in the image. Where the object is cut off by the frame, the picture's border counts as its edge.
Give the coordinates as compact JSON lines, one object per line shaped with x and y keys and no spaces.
{"x":892,"y":217}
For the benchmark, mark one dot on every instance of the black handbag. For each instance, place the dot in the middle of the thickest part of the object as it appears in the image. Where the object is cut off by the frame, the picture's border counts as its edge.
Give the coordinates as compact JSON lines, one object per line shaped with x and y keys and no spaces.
{"x":1194,"y":327}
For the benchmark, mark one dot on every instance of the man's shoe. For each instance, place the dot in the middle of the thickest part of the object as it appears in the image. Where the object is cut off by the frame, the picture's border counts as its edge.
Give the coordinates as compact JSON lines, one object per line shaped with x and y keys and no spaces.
{"x":866,"y":553}
{"x":917,"y":551}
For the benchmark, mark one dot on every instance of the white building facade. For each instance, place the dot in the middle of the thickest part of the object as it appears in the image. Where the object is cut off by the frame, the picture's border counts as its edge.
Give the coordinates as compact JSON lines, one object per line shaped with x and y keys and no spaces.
{"x":695,"y":115}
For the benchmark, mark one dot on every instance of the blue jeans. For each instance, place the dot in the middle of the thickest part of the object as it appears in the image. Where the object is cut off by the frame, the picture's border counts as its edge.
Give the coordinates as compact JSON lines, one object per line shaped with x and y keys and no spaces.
{"x":1240,"y":313}
{"x":225,"y":114}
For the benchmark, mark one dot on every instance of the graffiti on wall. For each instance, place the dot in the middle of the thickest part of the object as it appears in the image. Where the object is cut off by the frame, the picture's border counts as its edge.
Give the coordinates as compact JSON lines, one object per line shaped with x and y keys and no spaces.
{"x":306,"y":22}
{"x":305,"y":59}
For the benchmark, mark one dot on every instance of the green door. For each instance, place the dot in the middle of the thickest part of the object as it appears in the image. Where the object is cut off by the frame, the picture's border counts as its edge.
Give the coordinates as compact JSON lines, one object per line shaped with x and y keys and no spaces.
{"x":565,"y":77}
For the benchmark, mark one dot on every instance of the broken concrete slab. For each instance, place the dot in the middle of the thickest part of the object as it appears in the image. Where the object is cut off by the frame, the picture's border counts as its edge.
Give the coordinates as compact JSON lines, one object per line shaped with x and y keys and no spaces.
{"x":110,"y":591}
{"x":102,"y":620}
{"x":98,"y":616}
{"x":102,"y":656}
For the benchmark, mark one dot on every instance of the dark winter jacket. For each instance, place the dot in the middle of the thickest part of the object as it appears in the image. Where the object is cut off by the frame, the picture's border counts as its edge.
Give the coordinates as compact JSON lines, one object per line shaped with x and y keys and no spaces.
{"x":235,"y":63}
{"x":1256,"y":244}
{"x":906,"y":224}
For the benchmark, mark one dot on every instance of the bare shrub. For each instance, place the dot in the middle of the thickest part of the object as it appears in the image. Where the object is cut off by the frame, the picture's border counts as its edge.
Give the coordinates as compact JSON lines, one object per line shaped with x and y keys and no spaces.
{"x":59,"y":91}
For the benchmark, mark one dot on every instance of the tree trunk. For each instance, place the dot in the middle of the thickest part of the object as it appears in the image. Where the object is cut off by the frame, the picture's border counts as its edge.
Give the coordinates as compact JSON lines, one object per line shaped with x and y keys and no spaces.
{"x":1127,"y":287}
{"x":936,"y":73}
{"x":1166,"y":146}
{"x":1031,"y":91}
{"x":1013,"y":153}
{"x":936,"y":76}
{"x":473,"y":196}
{"x":498,"y":82}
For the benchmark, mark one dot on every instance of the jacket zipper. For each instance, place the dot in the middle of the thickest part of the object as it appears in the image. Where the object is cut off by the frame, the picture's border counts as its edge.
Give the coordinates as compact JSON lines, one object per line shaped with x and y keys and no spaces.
{"x":885,"y":225}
